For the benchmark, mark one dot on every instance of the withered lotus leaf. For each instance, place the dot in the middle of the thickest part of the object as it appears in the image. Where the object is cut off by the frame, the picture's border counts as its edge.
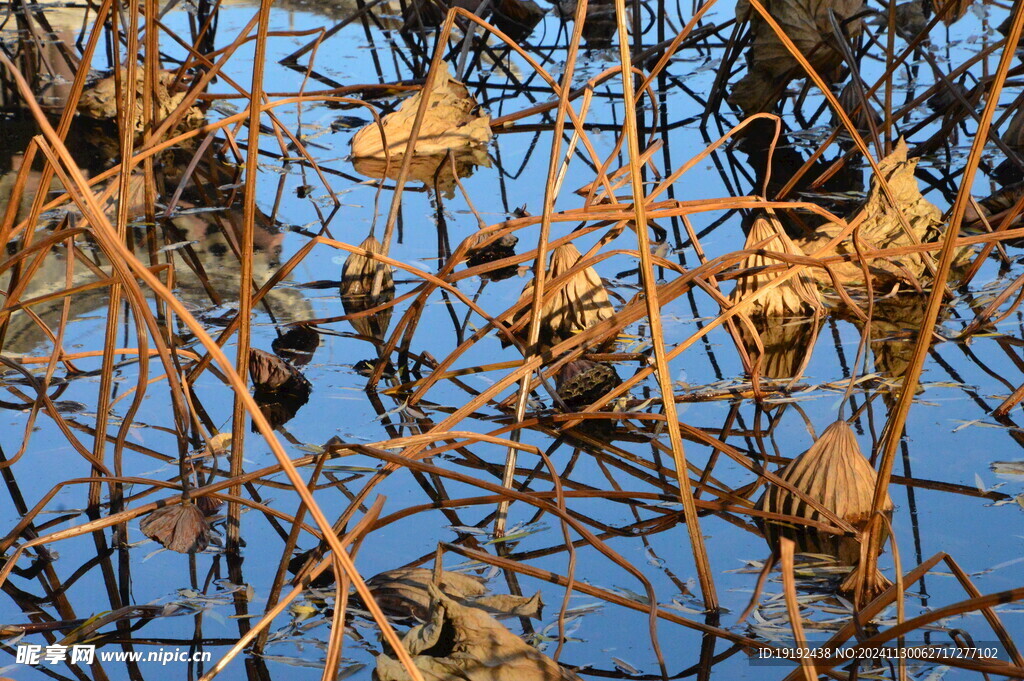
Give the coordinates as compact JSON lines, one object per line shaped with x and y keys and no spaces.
{"x":357,"y":281}
{"x":452,"y":121}
{"x":770,"y":64}
{"x":797,"y":296}
{"x":880,"y":227}
{"x":403,"y":593}
{"x":182,"y":528}
{"x":99,"y":100}
{"x":575,"y":305}
{"x":834,"y":473}
{"x":464,"y":643}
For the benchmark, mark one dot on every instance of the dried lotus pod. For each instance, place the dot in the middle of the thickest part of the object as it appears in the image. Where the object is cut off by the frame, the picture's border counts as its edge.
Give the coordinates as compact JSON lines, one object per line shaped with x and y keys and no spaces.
{"x":577,"y":303}
{"x":269,"y":372}
{"x":297,"y":345}
{"x":834,"y":473}
{"x":357,"y":279}
{"x":182,"y":528}
{"x":797,"y":296}
{"x":582,"y":381}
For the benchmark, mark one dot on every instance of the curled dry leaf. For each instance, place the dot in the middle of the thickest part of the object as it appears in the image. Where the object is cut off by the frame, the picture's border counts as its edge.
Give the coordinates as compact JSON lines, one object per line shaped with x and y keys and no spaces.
{"x":795,"y":297}
{"x":269,"y":372}
{"x":452,"y":121}
{"x":357,"y":279}
{"x":834,"y":473}
{"x":182,"y":528}
{"x":576,"y":304}
{"x":403,"y":593}
{"x":462,"y":643}
{"x":99,"y":100}
{"x":770,"y":65}
{"x":881,"y":228}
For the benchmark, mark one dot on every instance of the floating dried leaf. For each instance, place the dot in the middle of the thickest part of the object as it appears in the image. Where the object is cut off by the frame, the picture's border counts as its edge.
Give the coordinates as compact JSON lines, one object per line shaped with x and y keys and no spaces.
{"x":881,"y":227}
{"x":461,"y":643}
{"x":452,"y":121}
{"x":403,"y":593}
{"x":433,"y":170}
{"x":182,"y":528}
{"x":357,"y":279}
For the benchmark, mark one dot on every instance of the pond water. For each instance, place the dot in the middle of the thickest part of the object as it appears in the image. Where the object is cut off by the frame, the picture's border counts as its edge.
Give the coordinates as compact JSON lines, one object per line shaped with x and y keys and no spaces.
{"x":948,"y":495}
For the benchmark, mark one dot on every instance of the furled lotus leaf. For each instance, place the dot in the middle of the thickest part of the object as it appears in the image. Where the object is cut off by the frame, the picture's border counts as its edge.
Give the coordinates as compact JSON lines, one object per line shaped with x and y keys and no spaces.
{"x":575,"y":305}
{"x":834,"y":473}
{"x":357,"y":280}
{"x":795,"y":297}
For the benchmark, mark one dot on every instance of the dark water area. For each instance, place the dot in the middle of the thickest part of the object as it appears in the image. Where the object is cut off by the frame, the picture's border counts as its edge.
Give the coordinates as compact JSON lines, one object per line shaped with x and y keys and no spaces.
{"x":958,"y":484}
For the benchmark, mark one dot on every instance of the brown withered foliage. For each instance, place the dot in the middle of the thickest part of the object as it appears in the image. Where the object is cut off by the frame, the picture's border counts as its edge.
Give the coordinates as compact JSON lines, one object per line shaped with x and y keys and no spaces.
{"x":881,"y":228}
{"x":575,"y":304}
{"x":770,"y":66}
{"x":403,"y":593}
{"x":834,"y":473}
{"x":795,"y":297}
{"x":99,"y":100}
{"x":182,"y":528}
{"x":465,"y":643}
{"x":453,"y":121}
{"x":357,"y":283}
{"x":269,"y":372}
